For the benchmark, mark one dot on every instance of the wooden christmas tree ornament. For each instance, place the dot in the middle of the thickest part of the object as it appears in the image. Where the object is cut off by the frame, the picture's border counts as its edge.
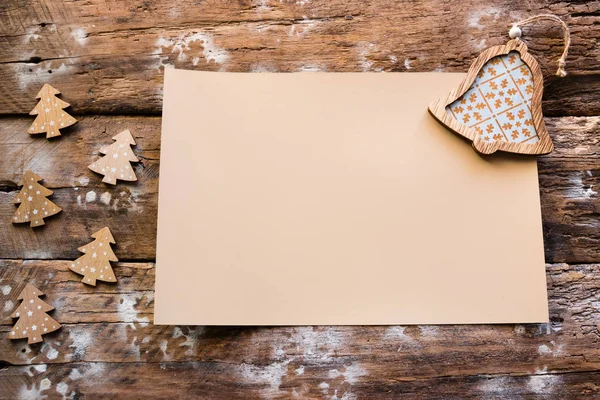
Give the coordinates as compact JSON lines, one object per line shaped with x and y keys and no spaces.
{"x":94,"y":264}
{"x":50,"y":114}
{"x":499,"y":104}
{"x":34,"y":206}
{"x":33,"y":321}
{"x":116,"y":162}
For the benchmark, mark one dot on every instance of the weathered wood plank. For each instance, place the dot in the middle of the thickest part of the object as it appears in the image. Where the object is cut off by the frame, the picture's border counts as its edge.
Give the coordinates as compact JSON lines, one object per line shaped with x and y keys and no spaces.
{"x":569,"y":182}
{"x":214,"y":380}
{"x":225,"y":381}
{"x":63,"y":161}
{"x":108,"y":57}
{"x":128,"y":209}
{"x":113,"y":324}
{"x":131,"y":300}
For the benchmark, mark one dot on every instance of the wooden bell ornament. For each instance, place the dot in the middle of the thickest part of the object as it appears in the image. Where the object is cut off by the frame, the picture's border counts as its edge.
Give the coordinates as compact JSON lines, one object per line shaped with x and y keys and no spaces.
{"x":499,"y":104}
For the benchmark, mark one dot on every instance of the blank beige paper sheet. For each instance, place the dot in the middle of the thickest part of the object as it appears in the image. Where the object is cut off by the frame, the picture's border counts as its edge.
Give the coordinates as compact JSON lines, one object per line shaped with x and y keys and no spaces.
{"x":335,"y":199}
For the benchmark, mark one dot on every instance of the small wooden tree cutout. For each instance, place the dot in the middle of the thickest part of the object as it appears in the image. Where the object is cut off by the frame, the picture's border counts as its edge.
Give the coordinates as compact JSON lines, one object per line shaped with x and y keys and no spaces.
{"x":50,"y":114}
{"x":116,"y":163}
{"x":34,"y":204}
{"x":95,"y":263}
{"x":33,"y":321}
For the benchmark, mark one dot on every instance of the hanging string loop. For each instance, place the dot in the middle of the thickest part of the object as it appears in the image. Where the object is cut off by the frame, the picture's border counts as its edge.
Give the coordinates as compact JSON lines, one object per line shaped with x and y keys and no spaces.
{"x":515,"y":32}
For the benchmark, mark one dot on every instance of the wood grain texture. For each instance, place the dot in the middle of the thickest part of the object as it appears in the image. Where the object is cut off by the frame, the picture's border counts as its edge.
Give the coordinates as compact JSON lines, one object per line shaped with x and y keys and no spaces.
{"x":108,"y":57}
{"x":94,"y":264}
{"x":88,"y":203}
{"x":115,"y":164}
{"x":108,"y":335}
{"x":51,"y":116}
{"x":438,"y":107}
{"x":569,"y":182}
{"x":33,"y":321}
{"x":33,"y":201}
{"x":215,"y":380}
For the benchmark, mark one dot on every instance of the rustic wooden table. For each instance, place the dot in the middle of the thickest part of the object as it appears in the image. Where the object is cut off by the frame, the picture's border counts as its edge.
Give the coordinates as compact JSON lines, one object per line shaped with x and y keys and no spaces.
{"x":108,"y":56}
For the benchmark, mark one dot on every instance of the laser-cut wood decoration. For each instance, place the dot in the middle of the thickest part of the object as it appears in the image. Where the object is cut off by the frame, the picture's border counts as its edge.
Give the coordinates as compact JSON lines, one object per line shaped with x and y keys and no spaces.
{"x":94,"y":264}
{"x":499,"y":104}
{"x":34,"y":206}
{"x":51,"y":116}
{"x":116,"y":162}
{"x":33,"y":321}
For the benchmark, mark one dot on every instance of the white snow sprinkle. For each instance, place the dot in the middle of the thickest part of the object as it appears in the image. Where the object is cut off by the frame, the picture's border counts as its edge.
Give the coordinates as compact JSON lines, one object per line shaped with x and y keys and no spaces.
{"x":80,"y":35}
{"x":544,"y":384}
{"x":74,"y":374}
{"x":80,"y":339}
{"x":351,"y":373}
{"x":52,"y":354}
{"x":182,"y":46}
{"x":8,"y":306}
{"x":105,"y":198}
{"x":90,"y":196}
{"x":269,"y":375}
{"x":45,"y":384}
{"x":579,"y":190}
{"x":62,"y":388}
{"x":41,"y":368}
